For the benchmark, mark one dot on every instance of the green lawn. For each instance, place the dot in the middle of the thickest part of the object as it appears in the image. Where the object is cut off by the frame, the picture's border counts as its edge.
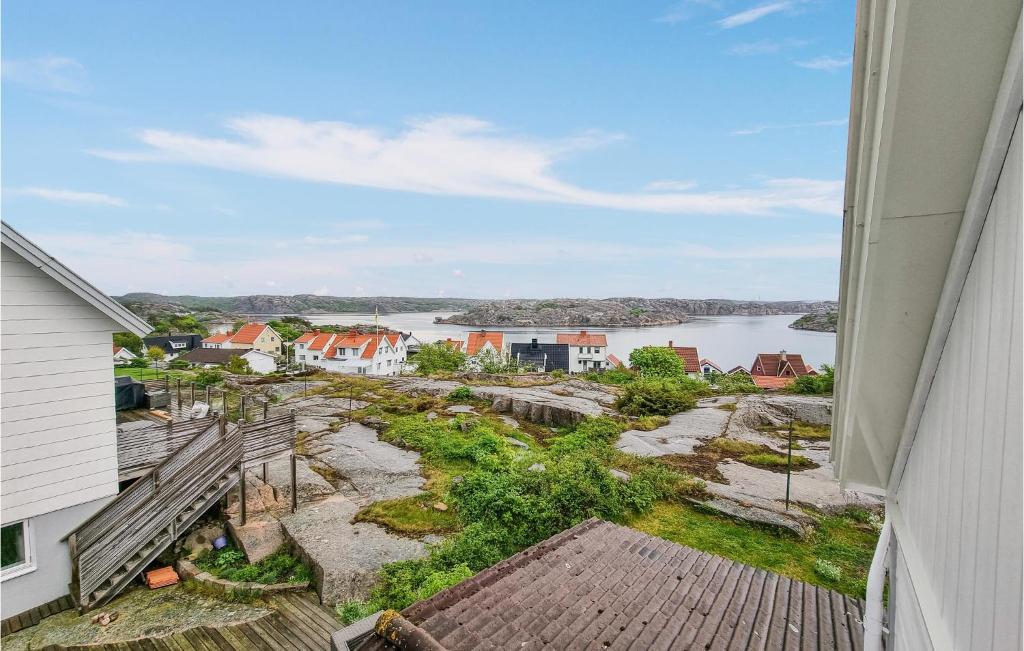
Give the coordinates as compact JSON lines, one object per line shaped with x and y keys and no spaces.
{"x":153,"y":373}
{"x":847,"y":541}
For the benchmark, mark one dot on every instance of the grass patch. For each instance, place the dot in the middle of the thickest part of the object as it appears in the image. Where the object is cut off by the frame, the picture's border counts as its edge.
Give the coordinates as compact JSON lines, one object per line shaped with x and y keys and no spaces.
{"x":734,"y":446}
{"x":413,"y":516}
{"x":839,"y":540}
{"x":729,"y":406}
{"x":230,"y":563}
{"x":649,"y":423}
{"x":809,"y":432}
{"x":776,"y":461}
{"x":703,"y":466}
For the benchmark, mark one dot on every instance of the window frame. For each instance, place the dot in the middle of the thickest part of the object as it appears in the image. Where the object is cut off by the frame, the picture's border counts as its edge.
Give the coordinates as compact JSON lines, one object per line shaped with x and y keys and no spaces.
{"x":28,"y":540}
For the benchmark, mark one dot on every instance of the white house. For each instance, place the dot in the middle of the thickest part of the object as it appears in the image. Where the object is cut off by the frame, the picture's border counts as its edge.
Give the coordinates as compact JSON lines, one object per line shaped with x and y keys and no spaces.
{"x":122,"y":355}
{"x":58,"y":430}
{"x":260,"y":362}
{"x":587,"y":351}
{"x":707,"y":367}
{"x":929,"y":354}
{"x":353,"y":352}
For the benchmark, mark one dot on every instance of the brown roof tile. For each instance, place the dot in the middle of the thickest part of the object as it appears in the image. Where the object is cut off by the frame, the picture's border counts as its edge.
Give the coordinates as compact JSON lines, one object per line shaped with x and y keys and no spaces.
{"x":600,"y":585}
{"x":582,"y":339}
{"x":691,"y":360}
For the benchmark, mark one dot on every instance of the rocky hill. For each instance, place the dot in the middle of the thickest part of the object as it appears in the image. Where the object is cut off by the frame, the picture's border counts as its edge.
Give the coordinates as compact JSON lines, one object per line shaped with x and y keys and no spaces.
{"x":621,"y":312}
{"x":297,"y":304}
{"x":817,"y":321}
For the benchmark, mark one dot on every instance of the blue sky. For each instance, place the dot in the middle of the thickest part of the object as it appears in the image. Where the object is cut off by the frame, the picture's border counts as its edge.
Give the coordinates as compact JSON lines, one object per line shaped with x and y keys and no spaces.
{"x":526,"y":149}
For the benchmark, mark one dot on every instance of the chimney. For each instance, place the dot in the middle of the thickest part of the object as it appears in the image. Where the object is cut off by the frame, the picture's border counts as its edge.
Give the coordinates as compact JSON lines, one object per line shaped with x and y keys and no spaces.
{"x":583,"y":333}
{"x":670,"y":343}
{"x":782,"y":355}
{"x":316,"y":333}
{"x":533,"y":344}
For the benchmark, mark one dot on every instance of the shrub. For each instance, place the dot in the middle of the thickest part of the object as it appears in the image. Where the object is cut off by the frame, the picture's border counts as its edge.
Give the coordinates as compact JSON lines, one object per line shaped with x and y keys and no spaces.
{"x":820,"y":384}
{"x":657,"y":361}
{"x":139,"y":362}
{"x":130,"y":341}
{"x":208,"y":377}
{"x":828,"y":570}
{"x":734,"y":446}
{"x":650,"y":423}
{"x":437,"y":357}
{"x":618,"y":375}
{"x":230,"y":563}
{"x":727,"y":383}
{"x":238,"y":366}
{"x":654,"y":397}
{"x":177,"y":364}
{"x":775,"y":460}
{"x":461,"y":394}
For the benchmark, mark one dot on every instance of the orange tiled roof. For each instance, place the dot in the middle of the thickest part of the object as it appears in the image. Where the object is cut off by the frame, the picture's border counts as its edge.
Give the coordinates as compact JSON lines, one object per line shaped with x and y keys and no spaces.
{"x":218,"y":338}
{"x":477,"y":340}
{"x":320,"y":341}
{"x":772,"y":382}
{"x":691,"y":360}
{"x":582,"y":339}
{"x":248,"y":333}
{"x":306,"y":336}
{"x":614,"y":361}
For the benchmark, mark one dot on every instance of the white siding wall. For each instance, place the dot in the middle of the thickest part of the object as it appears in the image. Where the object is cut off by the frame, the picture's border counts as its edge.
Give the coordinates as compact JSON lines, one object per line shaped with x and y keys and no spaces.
{"x":961,"y":494}
{"x":59,"y":443}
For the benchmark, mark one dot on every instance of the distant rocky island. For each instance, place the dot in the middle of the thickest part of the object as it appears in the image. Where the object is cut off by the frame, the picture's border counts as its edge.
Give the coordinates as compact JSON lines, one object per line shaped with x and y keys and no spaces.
{"x":826,"y":321}
{"x":149,"y":303}
{"x":620,"y":312}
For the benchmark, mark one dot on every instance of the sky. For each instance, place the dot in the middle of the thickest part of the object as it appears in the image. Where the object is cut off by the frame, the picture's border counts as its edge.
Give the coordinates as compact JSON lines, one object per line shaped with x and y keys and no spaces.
{"x":690,"y":149}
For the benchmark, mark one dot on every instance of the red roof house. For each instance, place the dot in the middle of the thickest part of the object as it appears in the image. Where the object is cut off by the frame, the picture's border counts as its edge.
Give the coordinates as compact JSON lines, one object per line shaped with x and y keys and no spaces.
{"x":691,"y":360}
{"x":478,"y":340}
{"x":582,"y":339}
{"x":778,"y":370}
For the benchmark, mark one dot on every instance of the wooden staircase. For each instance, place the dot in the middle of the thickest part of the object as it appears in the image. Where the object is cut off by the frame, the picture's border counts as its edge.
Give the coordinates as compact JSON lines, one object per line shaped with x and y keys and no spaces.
{"x":112,"y":547}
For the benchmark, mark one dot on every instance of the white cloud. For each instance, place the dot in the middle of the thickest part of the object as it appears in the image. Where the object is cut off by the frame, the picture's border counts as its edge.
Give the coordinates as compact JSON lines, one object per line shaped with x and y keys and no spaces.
{"x":826,"y":63}
{"x":449,"y":155}
{"x":58,"y":195}
{"x":766,"y":46}
{"x":773,"y":127}
{"x":457,"y":273}
{"x":321,"y":291}
{"x":662,"y":186}
{"x":51,"y":73}
{"x":754,"y":13}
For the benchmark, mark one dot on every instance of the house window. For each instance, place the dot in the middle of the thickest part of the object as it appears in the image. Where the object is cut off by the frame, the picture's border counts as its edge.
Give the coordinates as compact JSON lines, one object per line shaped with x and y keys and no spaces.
{"x":16,"y":550}
{"x":177,"y":344}
{"x":581,"y":350}
{"x":316,"y":357}
{"x":389,"y":362}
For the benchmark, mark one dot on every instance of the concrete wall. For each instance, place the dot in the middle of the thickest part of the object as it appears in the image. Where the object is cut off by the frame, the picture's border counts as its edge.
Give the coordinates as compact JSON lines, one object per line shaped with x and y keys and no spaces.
{"x":958,"y":510}
{"x":52,"y":574}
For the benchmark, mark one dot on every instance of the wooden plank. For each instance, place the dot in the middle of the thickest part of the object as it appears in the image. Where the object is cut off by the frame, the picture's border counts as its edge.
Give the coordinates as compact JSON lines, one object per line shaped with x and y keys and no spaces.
{"x":264,"y":627}
{"x":226,"y":638}
{"x":312,"y":634}
{"x":257,"y":640}
{"x":312,"y":605}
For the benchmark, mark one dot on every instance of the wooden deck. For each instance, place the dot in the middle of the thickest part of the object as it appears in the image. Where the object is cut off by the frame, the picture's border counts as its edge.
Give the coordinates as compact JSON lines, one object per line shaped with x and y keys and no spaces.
{"x":299,"y":623}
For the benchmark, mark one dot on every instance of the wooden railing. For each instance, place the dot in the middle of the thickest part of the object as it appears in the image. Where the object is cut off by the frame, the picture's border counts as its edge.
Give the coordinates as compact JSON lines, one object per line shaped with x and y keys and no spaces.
{"x":138,"y":450}
{"x":115,"y":544}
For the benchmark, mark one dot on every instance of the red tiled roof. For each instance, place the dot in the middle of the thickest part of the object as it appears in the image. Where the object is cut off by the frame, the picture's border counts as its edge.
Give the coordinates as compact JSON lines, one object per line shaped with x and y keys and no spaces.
{"x":117,"y":349}
{"x":248,"y":333}
{"x":773,"y":365}
{"x":772,"y":382}
{"x":477,"y":340}
{"x":581,"y":339}
{"x":306,"y":336}
{"x":739,"y":369}
{"x":614,"y":361}
{"x":218,"y":338}
{"x":691,"y":360}
{"x":599,"y":584}
{"x":454,"y":343}
{"x":321,"y":340}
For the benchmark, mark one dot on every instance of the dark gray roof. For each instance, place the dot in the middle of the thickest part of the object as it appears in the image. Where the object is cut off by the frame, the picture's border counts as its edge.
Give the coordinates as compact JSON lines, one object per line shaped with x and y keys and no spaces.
{"x":551,"y":356}
{"x":600,"y":585}
{"x":212,"y":355}
{"x":164,"y":341}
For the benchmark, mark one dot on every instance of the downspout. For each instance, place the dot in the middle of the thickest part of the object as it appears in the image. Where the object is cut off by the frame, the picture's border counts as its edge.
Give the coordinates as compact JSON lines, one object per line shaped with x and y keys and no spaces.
{"x":874,"y":608}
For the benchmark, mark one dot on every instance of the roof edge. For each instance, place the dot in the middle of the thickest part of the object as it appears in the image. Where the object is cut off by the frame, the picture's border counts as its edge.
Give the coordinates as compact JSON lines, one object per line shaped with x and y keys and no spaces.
{"x":69,"y":279}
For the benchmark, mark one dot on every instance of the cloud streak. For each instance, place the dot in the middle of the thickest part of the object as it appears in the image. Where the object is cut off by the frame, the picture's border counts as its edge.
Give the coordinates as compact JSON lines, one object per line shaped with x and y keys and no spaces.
{"x":754,"y":14}
{"x":58,"y":195}
{"x":826,"y":63}
{"x":783,"y":127}
{"x":454,"y":156}
{"x":51,"y":73}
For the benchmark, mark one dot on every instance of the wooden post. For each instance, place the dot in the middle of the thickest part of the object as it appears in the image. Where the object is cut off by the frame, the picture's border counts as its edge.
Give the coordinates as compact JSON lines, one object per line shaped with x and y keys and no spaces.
{"x":242,"y":399}
{"x":207,"y":394}
{"x":224,"y":400}
{"x":167,"y":382}
{"x":178,"y":382}
{"x":789,"y":462}
{"x":295,"y":492}
{"x":193,"y":396}
{"x":75,"y":585}
{"x":266,"y":408}
{"x":241,"y":487}
{"x":222,"y":424}
{"x":265,"y":472}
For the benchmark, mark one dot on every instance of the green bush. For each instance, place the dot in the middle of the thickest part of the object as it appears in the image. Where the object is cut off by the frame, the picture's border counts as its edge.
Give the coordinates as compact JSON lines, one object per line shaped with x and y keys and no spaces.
{"x":139,"y":362}
{"x":438,"y":357}
{"x":657,"y":361}
{"x":828,"y":570}
{"x":618,"y":375}
{"x":177,"y":364}
{"x":655,"y":397}
{"x":230,"y":563}
{"x":820,"y":384}
{"x":732,"y":383}
{"x":461,"y":394}
{"x":208,"y":377}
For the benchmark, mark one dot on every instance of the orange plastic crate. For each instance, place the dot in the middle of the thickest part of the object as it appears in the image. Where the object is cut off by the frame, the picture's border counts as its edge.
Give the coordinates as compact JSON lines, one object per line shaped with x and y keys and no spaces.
{"x":161,"y":577}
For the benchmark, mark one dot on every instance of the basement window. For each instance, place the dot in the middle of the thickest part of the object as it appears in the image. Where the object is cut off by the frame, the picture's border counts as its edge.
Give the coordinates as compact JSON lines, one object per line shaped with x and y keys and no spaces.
{"x":16,"y":550}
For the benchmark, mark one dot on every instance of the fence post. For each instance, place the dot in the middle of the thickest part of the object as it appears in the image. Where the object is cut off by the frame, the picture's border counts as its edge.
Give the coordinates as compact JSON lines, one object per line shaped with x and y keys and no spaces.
{"x":789,"y":462}
{"x":266,"y":408}
{"x":241,"y":486}
{"x":224,"y":400}
{"x":295,"y":492}
{"x":167,"y":382}
{"x":193,"y":396}
{"x":178,"y":382}
{"x":208,"y":395}
{"x":222,"y":424}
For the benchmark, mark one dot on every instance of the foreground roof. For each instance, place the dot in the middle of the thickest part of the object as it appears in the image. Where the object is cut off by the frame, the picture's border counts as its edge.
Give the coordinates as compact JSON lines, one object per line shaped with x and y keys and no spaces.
{"x":55,"y":269}
{"x":476,"y":341}
{"x":582,"y":339}
{"x":600,"y":585}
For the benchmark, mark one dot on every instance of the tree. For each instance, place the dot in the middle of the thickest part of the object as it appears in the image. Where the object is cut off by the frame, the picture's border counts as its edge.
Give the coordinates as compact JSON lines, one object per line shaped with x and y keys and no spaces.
{"x":155,"y":354}
{"x":238,"y":366}
{"x":128,"y":340}
{"x":237,"y":325}
{"x":208,"y":377}
{"x":656,"y":361}
{"x":433,"y":358}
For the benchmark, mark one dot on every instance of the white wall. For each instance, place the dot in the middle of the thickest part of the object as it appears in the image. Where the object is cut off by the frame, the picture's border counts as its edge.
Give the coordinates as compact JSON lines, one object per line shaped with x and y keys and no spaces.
{"x":959,"y":520}
{"x":58,"y":437}
{"x":260,"y":363}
